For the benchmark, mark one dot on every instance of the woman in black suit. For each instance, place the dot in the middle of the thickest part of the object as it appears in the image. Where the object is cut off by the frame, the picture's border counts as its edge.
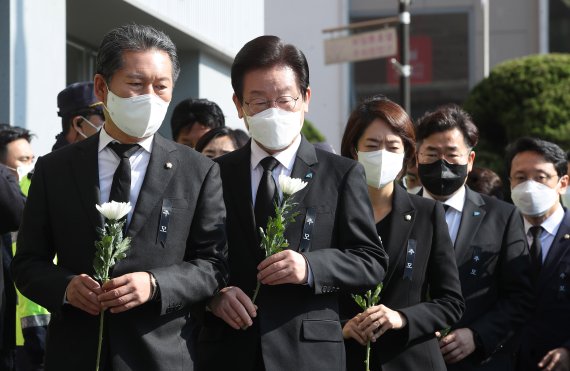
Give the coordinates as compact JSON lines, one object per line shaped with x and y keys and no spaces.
{"x":421,"y":293}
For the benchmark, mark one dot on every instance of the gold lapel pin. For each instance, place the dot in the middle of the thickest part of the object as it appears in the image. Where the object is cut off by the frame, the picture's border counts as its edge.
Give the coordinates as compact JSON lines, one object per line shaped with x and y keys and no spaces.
{"x":408,"y":217}
{"x":168,"y":165}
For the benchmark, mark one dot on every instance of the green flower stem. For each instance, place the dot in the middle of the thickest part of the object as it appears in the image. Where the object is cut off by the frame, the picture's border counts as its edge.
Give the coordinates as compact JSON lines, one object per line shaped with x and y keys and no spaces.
{"x":256,"y":292}
{"x":367,"y":361}
{"x":101,"y":316}
{"x":100,"y":342}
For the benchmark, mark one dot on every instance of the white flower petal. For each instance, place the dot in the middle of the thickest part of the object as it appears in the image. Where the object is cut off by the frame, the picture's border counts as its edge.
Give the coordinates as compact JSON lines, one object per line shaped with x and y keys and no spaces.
{"x":290,"y":185}
{"x":114,"y":210}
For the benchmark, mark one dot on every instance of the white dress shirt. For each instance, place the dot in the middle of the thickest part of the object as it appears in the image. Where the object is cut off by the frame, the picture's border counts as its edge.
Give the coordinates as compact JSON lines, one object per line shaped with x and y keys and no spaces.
{"x":550,"y":226}
{"x":109,"y":161}
{"x":286,"y":160}
{"x":454,"y":212}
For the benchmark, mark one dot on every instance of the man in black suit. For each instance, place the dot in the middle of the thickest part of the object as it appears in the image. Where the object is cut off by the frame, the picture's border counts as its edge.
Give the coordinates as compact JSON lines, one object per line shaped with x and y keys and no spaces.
{"x":490,"y":246}
{"x":333,"y":245}
{"x":11,"y":207}
{"x":537,"y":172}
{"x":178,"y":247}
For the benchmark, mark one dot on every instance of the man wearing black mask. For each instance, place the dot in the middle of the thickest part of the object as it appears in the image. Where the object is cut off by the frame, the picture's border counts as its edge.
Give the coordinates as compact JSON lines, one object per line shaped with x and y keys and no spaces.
{"x":490,"y":245}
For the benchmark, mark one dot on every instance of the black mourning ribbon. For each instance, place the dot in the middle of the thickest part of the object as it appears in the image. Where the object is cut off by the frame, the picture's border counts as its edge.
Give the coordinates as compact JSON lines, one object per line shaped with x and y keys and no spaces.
{"x":266,"y":193}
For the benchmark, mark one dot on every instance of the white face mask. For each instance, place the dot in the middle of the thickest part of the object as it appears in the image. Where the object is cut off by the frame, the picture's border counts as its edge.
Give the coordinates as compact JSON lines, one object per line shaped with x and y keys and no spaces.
{"x":274,"y":128}
{"x":22,"y":170}
{"x":411,"y":190}
{"x":381,"y":167}
{"x":533,"y":198}
{"x":97,"y":128}
{"x":140,"y":116}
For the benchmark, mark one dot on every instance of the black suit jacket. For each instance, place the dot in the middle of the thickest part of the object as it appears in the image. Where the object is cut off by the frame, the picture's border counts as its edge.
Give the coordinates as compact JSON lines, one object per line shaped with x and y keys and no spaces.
{"x":60,"y":218}
{"x":495,"y":273}
{"x":11,"y":207}
{"x":298,"y":325}
{"x":430,"y":299}
{"x":549,"y":326}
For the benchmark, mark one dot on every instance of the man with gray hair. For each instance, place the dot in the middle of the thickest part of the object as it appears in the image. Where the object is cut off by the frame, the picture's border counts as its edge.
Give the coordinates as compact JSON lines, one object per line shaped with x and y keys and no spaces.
{"x":177,"y":257}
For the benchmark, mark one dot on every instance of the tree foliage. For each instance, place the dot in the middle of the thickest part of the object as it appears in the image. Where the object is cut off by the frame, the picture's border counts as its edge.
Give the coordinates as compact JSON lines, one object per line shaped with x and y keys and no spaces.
{"x":312,"y":134}
{"x":527,"y":96}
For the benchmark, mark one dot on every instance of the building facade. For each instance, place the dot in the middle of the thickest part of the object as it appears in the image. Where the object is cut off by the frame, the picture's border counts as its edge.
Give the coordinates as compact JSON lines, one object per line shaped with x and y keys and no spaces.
{"x":46,"y":45}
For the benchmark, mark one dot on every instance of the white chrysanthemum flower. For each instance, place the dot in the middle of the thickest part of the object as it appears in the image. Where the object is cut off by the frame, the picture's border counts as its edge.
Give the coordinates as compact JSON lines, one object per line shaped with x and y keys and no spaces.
{"x":290,"y":185}
{"x":114,"y":210}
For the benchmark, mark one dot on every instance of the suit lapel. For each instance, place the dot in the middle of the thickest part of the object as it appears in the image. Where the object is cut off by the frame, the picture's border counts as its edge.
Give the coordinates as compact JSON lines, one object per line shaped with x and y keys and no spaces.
{"x":240,"y":194}
{"x":560,"y":246}
{"x":86,"y":169}
{"x":403,"y":218}
{"x":305,"y":169}
{"x":471,"y":218}
{"x":156,"y":180}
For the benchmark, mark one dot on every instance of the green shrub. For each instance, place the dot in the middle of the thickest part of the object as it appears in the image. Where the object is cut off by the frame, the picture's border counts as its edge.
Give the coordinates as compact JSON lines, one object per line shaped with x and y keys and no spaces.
{"x":524,"y":96}
{"x":312,"y":134}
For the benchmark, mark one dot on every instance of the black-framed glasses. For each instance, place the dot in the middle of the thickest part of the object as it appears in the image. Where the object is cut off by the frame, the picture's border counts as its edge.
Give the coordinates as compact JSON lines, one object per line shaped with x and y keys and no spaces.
{"x":285,"y":102}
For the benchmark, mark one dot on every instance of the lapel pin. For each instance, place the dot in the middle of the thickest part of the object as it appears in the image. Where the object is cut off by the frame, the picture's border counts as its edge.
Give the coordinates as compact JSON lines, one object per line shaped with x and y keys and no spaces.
{"x":567,"y":236}
{"x":168,"y":165}
{"x":408,"y":217}
{"x":476,"y":213}
{"x":309,"y":176}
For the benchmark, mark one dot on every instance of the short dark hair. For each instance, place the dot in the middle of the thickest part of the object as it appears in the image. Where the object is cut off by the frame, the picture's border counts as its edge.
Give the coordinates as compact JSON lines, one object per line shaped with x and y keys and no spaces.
{"x":485,"y":181}
{"x":236,"y":136}
{"x":190,"y":111}
{"x":133,"y":37}
{"x":374,"y":108}
{"x":265,"y":52}
{"x":551,"y":152}
{"x":8,"y":134}
{"x":447,"y":118}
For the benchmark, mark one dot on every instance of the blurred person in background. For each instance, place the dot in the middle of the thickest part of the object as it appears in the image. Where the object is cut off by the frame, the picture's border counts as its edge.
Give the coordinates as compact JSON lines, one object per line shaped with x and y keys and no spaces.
{"x":411,"y":180}
{"x":485,"y":181}
{"x":81,"y":114}
{"x":219,"y":141}
{"x":380,"y":135}
{"x":193,"y":118}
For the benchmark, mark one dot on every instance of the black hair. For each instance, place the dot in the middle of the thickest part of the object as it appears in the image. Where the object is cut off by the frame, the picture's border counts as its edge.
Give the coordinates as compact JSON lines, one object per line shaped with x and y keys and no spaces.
{"x":236,"y":137}
{"x":8,"y":134}
{"x":190,"y":111}
{"x":265,"y":52}
{"x":447,"y":118}
{"x":485,"y":181}
{"x":133,"y":37}
{"x":551,"y":152}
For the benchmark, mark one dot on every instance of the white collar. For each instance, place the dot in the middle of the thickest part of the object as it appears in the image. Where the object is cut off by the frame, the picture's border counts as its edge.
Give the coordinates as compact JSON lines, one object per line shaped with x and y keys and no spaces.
{"x":551,"y":224}
{"x":457,"y":201}
{"x":105,"y":139}
{"x":286,"y":157}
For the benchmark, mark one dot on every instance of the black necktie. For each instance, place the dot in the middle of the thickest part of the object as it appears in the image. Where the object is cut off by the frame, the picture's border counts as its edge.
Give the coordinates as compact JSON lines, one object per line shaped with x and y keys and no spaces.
{"x":266,"y":193}
{"x":445,"y":207}
{"x":121,"y":187}
{"x":536,"y":248}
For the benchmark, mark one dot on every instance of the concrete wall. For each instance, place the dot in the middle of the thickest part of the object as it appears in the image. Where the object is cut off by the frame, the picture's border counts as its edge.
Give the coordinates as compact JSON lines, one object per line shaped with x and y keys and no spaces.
{"x":301,"y":23}
{"x":35,"y":66}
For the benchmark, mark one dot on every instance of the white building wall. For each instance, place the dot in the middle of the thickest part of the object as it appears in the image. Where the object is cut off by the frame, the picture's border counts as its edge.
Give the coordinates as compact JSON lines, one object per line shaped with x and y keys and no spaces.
{"x":224,"y":24}
{"x":215,"y":85}
{"x":36,"y":67}
{"x":301,"y":23}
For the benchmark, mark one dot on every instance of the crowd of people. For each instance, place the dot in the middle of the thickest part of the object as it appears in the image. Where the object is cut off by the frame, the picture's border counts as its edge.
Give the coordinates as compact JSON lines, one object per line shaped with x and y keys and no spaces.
{"x":468,"y":280}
